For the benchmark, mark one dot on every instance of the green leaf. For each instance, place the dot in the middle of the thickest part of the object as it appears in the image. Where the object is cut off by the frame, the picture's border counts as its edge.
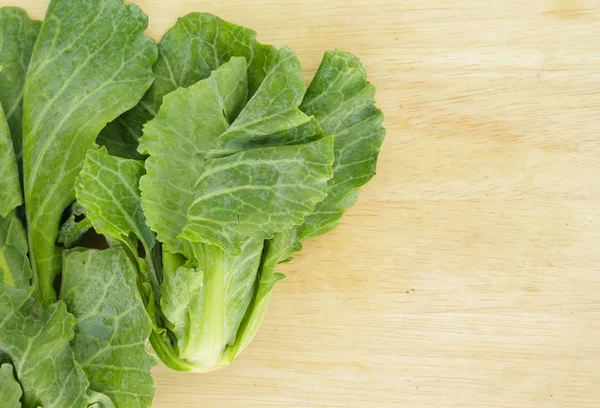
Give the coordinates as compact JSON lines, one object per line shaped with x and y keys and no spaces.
{"x":10,"y":389}
{"x":272,"y":117}
{"x":108,"y":188}
{"x":179,"y":140}
{"x":13,"y":252}
{"x":342,"y":100}
{"x":257,"y":193}
{"x":10,"y":189}
{"x":17,"y":37}
{"x":264,"y":190}
{"x":195,"y":46}
{"x":38,"y":347}
{"x":75,"y":227}
{"x":112,"y":327}
{"x":91,"y":62}
{"x":183,"y":290}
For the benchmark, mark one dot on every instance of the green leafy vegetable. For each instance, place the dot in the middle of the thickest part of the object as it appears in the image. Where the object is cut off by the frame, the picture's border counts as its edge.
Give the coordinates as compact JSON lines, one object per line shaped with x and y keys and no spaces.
{"x":227,"y":200}
{"x":112,"y":326}
{"x":91,"y":62}
{"x":17,"y":37}
{"x":217,"y":164}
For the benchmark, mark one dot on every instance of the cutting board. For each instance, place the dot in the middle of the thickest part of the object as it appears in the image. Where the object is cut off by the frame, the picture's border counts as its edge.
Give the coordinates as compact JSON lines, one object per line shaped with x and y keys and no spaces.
{"x":468,"y":274}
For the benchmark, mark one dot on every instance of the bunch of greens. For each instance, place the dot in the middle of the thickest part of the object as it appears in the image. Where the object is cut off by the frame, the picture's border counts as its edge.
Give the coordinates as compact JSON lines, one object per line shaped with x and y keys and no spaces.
{"x":201,"y":163}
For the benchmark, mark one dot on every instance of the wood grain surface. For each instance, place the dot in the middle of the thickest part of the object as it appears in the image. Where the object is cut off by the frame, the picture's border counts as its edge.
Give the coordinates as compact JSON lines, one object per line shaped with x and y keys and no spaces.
{"x":468,"y":274}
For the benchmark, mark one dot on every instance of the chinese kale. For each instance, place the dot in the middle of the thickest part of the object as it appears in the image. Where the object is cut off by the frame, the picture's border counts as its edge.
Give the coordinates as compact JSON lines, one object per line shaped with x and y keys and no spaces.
{"x":216,"y":163}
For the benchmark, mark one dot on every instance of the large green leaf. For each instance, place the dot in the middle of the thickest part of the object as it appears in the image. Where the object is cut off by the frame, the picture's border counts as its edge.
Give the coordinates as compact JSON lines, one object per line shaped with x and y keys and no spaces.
{"x":225,"y":199}
{"x":38,"y":347}
{"x":257,"y":193}
{"x":342,"y":100}
{"x":91,"y":62}
{"x":10,"y":389}
{"x":112,"y":327}
{"x":178,"y":141}
{"x":17,"y":37}
{"x":250,"y":190}
{"x":10,"y":189}
{"x":195,"y":46}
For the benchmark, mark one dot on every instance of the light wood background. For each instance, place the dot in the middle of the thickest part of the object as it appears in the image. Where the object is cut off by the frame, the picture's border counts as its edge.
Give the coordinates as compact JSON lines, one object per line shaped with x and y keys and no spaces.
{"x":468,"y":275}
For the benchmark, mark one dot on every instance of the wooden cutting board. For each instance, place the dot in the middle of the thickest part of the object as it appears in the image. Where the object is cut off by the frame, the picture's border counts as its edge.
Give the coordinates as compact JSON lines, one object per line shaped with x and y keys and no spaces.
{"x":468,"y":275}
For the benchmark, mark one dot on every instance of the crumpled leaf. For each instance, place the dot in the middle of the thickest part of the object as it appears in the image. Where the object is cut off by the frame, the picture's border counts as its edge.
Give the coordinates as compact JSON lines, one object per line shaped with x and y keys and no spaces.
{"x":342,"y":100}
{"x":272,"y":117}
{"x":18,"y":34}
{"x":112,"y":327}
{"x":91,"y":63}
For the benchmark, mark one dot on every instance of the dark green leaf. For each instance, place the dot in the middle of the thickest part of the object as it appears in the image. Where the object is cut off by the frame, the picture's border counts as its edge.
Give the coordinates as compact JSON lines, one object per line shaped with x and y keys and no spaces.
{"x":91,"y":62}
{"x":112,"y":327}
